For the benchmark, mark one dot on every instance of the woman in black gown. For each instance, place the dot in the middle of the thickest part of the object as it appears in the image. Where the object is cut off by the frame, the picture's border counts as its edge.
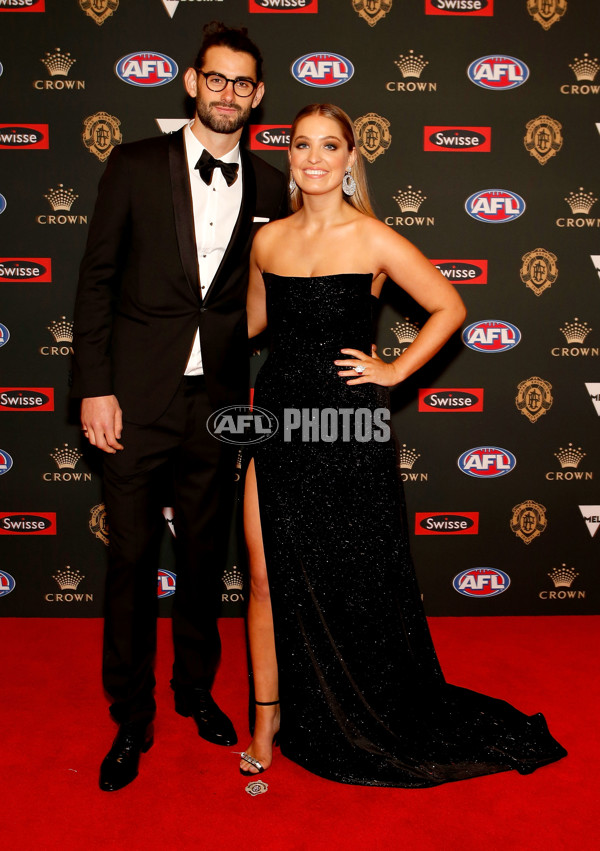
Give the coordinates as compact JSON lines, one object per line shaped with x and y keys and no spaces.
{"x":337,"y":629}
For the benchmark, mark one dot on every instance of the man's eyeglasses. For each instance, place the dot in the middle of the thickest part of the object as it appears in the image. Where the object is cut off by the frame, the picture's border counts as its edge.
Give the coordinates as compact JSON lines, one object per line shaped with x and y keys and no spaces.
{"x":217,"y":83}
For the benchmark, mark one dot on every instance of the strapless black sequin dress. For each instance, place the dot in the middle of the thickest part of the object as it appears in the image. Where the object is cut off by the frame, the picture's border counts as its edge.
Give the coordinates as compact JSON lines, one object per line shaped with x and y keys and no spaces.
{"x":363,"y":698}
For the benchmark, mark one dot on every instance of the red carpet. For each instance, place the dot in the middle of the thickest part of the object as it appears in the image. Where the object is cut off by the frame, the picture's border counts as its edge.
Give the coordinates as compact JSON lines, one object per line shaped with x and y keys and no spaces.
{"x":189,"y":794}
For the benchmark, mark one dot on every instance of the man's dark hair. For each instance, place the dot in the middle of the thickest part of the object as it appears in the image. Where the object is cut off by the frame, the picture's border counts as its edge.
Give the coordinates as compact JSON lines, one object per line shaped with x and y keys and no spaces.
{"x":216,"y":34}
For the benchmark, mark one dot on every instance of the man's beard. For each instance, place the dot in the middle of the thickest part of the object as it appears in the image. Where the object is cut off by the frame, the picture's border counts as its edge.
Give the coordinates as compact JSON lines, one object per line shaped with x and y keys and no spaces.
{"x":222,"y":123}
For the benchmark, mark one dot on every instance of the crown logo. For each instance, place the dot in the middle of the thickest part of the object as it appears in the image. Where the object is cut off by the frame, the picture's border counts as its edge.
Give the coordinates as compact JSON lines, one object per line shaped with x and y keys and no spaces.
{"x":62,"y":330}
{"x":586,"y":68}
{"x":569,"y":457}
{"x":68,"y":579}
{"x":407,"y":457}
{"x":576,"y":331}
{"x":409,"y":200}
{"x":563,"y":577}
{"x":233,"y":579}
{"x":581,"y":201}
{"x":61,"y":198}
{"x":406,"y":332}
{"x":66,"y":458}
{"x":58,"y":64}
{"x":411,"y":65}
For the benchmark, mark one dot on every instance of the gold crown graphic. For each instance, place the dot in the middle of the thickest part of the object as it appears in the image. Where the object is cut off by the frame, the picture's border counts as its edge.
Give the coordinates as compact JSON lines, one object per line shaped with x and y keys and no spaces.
{"x":563,"y":577}
{"x":61,"y":198}
{"x":68,"y":579}
{"x":409,"y":200}
{"x":581,"y":201}
{"x":66,"y":458}
{"x":406,"y":332}
{"x":575,"y":331}
{"x":411,"y":65}
{"x":407,"y":457}
{"x":58,"y":64}
{"x":62,"y":330}
{"x":586,"y":68}
{"x":233,"y":579}
{"x":569,"y":457}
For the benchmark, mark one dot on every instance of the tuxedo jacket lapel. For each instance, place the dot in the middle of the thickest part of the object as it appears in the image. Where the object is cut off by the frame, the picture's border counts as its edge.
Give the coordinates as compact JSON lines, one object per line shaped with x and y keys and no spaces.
{"x":183,"y":210}
{"x":243,"y":225}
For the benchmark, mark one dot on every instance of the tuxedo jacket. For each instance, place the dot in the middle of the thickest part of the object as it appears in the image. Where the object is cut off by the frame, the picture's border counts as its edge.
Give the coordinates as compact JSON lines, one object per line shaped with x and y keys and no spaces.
{"x":139,"y":300}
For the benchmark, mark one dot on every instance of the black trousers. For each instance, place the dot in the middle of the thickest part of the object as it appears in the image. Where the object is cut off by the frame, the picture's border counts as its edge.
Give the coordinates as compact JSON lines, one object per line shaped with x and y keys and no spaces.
{"x":177,"y":447}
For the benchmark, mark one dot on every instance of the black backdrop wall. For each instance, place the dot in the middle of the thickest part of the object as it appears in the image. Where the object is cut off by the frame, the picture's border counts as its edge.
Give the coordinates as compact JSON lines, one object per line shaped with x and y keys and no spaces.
{"x":478,"y":122}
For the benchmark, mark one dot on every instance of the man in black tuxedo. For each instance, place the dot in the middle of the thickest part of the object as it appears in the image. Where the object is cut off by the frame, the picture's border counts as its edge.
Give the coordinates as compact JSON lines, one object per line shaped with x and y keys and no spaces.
{"x":160,"y":343}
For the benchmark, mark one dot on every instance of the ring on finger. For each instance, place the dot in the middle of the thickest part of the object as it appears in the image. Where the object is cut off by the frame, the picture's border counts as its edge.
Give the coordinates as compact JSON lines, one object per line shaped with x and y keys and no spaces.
{"x":360,"y":369}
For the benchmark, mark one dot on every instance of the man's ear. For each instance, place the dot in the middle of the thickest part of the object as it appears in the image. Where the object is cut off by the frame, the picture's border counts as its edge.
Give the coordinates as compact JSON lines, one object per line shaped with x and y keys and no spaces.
{"x":190,"y":81}
{"x":258,"y":94}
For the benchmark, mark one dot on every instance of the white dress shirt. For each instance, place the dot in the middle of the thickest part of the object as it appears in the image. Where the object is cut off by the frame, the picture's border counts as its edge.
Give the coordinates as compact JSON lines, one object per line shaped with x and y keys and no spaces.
{"x":216,"y":208}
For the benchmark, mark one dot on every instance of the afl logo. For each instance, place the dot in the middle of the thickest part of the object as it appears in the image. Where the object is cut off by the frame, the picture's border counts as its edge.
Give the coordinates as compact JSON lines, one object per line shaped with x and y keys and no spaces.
{"x":6,"y":462}
{"x":322,"y":70}
{"x":166,"y":583}
{"x":491,"y":336}
{"x":241,"y":424}
{"x":2,"y":203}
{"x":498,"y":72}
{"x":495,"y":206}
{"x":146,"y":69}
{"x":481,"y":582}
{"x":7,"y":583}
{"x":4,"y":335}
{"x":487,"y":462}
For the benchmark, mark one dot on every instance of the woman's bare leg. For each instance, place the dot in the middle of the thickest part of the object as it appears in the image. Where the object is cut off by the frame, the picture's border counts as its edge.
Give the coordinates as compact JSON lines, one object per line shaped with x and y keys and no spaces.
{"x":260,"y":633}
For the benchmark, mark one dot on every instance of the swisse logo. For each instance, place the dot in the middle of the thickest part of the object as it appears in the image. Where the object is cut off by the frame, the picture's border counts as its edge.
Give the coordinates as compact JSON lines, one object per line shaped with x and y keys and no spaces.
{"x":451,"y":399}
{"x":26,"y":268}
{"x":293,"y":6}
{"x":437,"y":523}
{"x":481,"y":582}
{"x":22,"y":5}
{"x":463,"y":271}
{"x":269,"y":137}
{"x":457,"y":138}
{"x":241,"y":424}
{"x":498,"y":72}
{"x":460,"y":7}
{"x":495,"y":206}
{"x":40,"y":523}
{"x":491,"y":336}
{"x":146,"y":69}
{"x":26,"y":398}
{"x":7,"y":582}
{"x":487,"y":462}
{"x":322,"y":70}
{"x":166,"y":584}
{"x":24,"y":136}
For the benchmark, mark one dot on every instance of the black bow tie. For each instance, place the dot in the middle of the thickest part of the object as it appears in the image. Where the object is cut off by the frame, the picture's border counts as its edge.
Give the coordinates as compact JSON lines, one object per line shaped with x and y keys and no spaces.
{"x":207,"y":164}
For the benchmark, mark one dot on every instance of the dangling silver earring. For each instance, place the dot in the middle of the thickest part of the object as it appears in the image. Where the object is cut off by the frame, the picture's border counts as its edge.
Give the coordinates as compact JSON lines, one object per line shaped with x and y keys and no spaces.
{"x":292,"y":184}
{"x":348,"y":184}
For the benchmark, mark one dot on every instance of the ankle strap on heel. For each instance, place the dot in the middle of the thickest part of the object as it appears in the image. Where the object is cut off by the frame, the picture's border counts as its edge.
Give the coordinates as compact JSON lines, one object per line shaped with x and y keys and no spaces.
{"x":266,"y":703}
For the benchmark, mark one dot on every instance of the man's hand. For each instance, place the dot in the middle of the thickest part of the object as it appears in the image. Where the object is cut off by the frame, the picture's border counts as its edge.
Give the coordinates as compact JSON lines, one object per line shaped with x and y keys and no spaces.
{"x":102,"y":422}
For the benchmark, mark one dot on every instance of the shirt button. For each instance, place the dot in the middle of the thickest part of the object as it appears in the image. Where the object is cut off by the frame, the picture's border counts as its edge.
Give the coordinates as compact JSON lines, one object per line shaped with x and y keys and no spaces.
{"x":211,"y":224}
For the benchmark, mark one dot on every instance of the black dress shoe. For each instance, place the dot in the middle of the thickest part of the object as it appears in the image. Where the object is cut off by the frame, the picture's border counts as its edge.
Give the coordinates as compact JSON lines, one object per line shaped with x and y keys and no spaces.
{"x":213,"y":724}
{"x":120,"y":765}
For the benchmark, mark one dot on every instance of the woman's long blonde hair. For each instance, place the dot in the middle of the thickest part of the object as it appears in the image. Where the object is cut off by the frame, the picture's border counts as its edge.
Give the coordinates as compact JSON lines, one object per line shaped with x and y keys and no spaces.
{"x":360,"y":200}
